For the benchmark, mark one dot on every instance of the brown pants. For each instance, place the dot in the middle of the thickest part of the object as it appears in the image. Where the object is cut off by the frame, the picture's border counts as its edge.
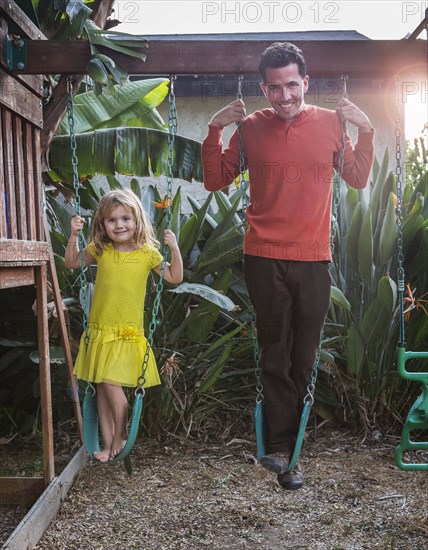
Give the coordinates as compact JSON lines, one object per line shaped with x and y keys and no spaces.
{"x":291,"y":301}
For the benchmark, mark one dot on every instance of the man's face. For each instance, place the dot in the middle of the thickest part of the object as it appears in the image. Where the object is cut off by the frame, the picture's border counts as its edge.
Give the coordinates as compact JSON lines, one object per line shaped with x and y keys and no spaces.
{"x":285,"y":90}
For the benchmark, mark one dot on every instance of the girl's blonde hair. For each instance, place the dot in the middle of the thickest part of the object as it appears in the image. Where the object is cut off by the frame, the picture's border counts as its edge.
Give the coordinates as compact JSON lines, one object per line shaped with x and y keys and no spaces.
{"x":144,"y":231}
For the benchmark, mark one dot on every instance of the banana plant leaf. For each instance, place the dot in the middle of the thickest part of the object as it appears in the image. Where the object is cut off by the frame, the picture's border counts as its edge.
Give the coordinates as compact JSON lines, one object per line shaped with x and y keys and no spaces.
{"x":133,"y":104}
{"x":129,"y":151}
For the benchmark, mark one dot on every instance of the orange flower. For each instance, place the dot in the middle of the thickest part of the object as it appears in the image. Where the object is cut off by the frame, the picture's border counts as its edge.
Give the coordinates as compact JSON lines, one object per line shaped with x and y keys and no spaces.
{"x":164,"y":204}
{"x":414,"y":303}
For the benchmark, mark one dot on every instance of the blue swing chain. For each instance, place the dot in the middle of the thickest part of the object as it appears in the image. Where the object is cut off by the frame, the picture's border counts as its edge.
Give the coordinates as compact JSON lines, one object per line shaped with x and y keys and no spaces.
{"x":172,"y":131}
{"x":310,"y":396}
{"x":76,"y":185}
{"x":243,"y":185}
{"x":399,"y":215}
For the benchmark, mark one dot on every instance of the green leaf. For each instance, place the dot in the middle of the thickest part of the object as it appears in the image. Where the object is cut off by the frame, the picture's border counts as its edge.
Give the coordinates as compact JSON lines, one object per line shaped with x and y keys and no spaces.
{"x":130,"y":151}
{"x":219,"y":342}
{"x":354,"y":236}
{"x":207,"y":293}
{"x":388,"y":234}
{"x":97,"y":71}
{"x":193,"y":228}
{"x":380,"y":311}
{"x":414,"y":221}
{"x":215,"y":372}
{"x":355,"y":350}
{"x":127,"y":105}
{"x":338,"y":298}
{"x":387,"y":294}
{"x":365,"y":248}
{"x":374,"y":203}
{"x":326,"y":357}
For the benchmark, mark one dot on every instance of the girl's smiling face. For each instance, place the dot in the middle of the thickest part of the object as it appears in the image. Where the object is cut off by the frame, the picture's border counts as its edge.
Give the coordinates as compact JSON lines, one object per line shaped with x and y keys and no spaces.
{"x":120,"y":227}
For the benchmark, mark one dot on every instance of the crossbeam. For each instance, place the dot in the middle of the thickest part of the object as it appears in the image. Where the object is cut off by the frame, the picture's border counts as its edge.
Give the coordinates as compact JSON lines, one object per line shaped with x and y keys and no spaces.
{"x":367,"y":58}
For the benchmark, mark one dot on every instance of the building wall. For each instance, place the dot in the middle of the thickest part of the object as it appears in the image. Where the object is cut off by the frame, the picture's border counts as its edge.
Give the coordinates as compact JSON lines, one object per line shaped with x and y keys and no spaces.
{"x":195,"y":112}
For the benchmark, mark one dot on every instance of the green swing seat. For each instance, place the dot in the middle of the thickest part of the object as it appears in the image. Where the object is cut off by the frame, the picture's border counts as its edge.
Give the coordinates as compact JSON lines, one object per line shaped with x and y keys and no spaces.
{"x":91,"y":431}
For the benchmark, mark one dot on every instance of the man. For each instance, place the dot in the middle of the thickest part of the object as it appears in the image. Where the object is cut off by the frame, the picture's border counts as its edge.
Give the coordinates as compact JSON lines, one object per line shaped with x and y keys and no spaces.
{"x":290,"y":152}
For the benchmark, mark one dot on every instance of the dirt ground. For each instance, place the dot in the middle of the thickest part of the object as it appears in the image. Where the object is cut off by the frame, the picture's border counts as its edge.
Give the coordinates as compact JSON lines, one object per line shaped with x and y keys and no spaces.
{"x":191,"y":495}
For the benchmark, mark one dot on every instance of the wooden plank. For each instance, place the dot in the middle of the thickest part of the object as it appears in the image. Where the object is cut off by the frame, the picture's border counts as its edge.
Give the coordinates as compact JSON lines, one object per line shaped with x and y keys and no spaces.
{"x":13,"y":250}
{"x":21,"y":491}
{"x":64,"y":335}
{"x":21,"y":209}
{"x":3,"y":215}
{"x":12,"y":11}
{"x":34,"y":524}
{"x":45,"y":373}
{"x":376,"y":58}
{"x":19,"y":99}
{"x":12,"y":277}
{"x":33,"y":82}
{"x":11,"y":231}
{"x":31,"y":179}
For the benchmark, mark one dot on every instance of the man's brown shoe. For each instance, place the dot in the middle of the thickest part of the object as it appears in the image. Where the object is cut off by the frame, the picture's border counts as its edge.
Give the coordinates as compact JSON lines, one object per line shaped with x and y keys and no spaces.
{"x":291,"y":480}
{"x":276,"y":462}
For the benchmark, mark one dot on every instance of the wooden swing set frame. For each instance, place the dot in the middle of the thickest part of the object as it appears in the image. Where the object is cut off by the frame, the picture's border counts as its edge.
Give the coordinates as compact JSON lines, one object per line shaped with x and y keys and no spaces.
{"x":26,"y":256}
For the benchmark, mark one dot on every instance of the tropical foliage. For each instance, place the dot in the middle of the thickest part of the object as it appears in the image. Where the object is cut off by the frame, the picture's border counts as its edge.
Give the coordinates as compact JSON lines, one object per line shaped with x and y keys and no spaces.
{"x":365,"y":269}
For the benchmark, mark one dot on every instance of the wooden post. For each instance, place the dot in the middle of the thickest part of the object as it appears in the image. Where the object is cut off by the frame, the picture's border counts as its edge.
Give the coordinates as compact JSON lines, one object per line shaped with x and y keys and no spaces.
{"x":45,"y":373}
{"x":64,"y":335}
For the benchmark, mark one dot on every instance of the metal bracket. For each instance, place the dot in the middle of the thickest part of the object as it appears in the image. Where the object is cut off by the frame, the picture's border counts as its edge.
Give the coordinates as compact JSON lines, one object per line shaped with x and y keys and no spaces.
{"x":16,"y":52}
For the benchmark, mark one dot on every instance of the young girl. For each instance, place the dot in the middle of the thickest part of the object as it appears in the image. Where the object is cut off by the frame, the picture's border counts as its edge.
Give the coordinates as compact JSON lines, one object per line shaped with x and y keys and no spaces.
{"x":124,"y":245}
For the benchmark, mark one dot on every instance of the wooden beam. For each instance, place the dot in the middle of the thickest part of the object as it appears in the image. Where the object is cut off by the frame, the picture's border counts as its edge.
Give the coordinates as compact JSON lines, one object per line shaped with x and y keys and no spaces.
{"x":12,"y":277}
{"x":324,"y":58}
{"x":19,"y":99}
{"x":65,"y":342}
{"x":30,"y":530}
{"x":20,"y":491}
{"x":12,"y":11}
{"x":45,"y":373}
{"x":13,"y":251}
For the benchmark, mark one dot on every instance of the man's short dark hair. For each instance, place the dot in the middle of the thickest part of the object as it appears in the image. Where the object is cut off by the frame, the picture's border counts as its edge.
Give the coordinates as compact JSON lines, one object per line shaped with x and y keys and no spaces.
{"x":281,"y":54}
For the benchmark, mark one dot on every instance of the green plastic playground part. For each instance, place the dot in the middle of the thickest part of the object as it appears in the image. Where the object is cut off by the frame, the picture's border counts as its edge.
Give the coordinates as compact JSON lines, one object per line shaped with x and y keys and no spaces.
{"x":417,"y":419}
{"x":258,"y":417}
{"x":90,"y":429}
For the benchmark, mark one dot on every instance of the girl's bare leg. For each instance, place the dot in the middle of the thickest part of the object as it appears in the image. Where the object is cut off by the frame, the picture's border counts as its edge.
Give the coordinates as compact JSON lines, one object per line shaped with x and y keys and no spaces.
{"x":106,"y":420}
{"x":119,"y":409}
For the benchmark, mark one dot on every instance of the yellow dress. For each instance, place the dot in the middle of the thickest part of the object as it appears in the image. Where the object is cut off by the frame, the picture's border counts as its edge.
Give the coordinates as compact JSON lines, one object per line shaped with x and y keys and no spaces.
{"x":116,"y":347}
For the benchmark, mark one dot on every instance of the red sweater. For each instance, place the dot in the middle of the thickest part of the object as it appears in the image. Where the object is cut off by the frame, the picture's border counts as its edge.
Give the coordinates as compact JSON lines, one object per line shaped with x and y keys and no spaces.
{"x":290,"y":171}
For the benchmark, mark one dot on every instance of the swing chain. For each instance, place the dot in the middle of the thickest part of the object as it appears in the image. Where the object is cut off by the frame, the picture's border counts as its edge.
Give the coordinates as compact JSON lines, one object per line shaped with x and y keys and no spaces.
{"x":172,"y":131}
{"x":243,"y":184}
{"x":172,"y":127}
{"x":399,"y":211}
{"x":310,"y":396}
{"x":76,"y":185}
{"x":337,"y":181}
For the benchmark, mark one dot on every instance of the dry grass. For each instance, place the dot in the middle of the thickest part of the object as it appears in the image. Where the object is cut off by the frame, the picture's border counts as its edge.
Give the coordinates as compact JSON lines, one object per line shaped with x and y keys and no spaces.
{"x":187,"y":495}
